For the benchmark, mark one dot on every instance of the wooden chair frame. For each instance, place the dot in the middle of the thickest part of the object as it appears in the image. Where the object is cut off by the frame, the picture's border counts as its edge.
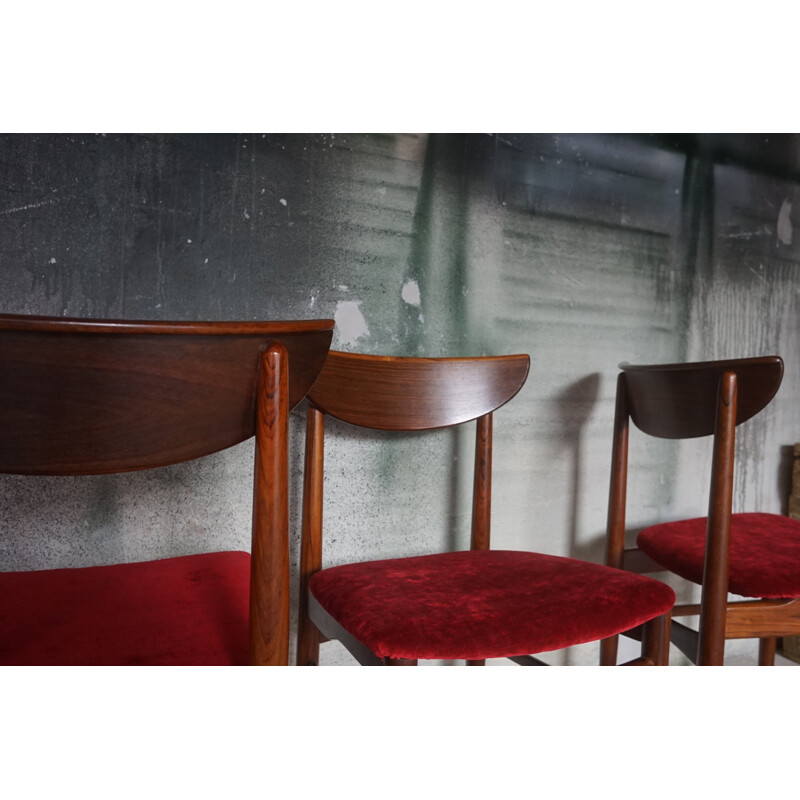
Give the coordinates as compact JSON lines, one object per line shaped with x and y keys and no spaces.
{"x":342,"y":392}
{"x":686,"y":401}
{"x":84,"y":397}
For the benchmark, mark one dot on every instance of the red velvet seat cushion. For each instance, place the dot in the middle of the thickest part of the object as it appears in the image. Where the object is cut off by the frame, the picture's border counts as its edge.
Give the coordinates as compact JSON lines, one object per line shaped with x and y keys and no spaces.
{"x":176,"y":611}
{"x":764,"y":559}
{"x":484,"y":604}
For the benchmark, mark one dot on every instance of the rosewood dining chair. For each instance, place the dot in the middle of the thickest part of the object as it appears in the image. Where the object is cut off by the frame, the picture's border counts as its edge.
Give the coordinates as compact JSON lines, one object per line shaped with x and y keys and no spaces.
{"x":753,"y":555}
{"x":81,"y":397}
{"x":469,"y":605}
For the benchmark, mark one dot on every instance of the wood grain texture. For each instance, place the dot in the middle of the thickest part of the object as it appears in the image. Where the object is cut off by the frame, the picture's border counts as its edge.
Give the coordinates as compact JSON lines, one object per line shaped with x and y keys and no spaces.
{"x":678,"y":401}
{"x":269,"y":577}
{"x":711,"y":648}
{"x":90,"y":397}
{"x":408,"y":394}
{"x":767,"y":648}
{"x":308,"y":637}
{"x":482,"y":485}
{"x":655,"y":640}
{"x":763,"y":619}
{"x":617,"y":493}
{"x":20,"y":322}
{"x":748,"y":619}
{"x":480,"y":538}
{"x":82,"y":397}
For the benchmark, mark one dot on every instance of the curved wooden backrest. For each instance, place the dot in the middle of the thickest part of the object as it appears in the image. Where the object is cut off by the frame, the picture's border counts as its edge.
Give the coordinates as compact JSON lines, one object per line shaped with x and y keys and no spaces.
{"x":95,"y":396}
{"x":679,"y":401}
{"x":407,"y":394}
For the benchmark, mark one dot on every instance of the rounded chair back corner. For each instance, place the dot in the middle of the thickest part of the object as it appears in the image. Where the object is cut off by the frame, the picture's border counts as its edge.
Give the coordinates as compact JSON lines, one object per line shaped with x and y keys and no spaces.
{"x":406,"y":394}
{"x":98,"y":396}
{"x":679,"y":401}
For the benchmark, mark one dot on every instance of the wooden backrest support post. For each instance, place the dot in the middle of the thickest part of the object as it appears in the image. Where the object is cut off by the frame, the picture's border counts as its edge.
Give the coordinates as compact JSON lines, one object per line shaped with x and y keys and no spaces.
{"x":269,"y":576}
{"x":85,"y":397}
{"x":311,"y":545}
{"x":619,"y":476}
{"x":482,"y":484}
{"x":715,"y":571}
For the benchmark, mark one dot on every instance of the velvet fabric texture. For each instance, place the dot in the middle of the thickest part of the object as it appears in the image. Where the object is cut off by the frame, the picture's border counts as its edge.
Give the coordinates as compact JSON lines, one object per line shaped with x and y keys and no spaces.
{"x":191,"y":610}
{"x":764,"y":554}
{"x":484,"y":604}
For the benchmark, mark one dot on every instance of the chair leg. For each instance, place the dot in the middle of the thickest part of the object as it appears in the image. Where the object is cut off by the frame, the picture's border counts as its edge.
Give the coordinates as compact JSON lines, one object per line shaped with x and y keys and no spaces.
{"x":608,"y":651}
{"x":655,"y":640}
{"x":766,"y":651}
{"x":307,"y":643}
{"x":400,"y":662}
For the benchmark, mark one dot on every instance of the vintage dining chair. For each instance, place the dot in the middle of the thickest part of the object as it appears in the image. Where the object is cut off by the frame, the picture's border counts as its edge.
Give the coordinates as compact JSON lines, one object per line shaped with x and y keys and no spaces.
{"x":470,"y":605}
{"x":754,"y":555}
{"x":82,"y":397}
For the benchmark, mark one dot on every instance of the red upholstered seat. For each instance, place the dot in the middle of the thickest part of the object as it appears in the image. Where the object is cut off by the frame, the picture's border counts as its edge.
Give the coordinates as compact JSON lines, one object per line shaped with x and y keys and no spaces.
{"x":764,"y":554}
{"x":471,"y":605}
{"x":484,"y":604}
{"x":96,"y":397}
{"x":191,"y":610}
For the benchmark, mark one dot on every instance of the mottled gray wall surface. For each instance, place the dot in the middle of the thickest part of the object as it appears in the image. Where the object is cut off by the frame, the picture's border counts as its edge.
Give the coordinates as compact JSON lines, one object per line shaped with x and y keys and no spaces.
{"x":582,"y":250}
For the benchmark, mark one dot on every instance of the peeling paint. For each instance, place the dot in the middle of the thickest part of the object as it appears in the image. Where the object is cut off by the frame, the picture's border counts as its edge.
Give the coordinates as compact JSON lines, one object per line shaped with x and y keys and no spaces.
{"x":28,"y":207}
{"x":350,"y":322}
{"x":410,"y":293}
{"x":785,"y":230}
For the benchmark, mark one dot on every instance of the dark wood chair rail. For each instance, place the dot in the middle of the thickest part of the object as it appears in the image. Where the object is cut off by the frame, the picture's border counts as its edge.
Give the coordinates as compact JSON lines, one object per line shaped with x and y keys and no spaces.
{"x":681,"y":401}
{"x":100,"y":396}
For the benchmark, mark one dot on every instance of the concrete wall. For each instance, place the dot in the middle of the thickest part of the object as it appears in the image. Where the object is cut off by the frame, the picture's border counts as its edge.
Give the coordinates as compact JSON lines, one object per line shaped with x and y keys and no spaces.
{"x":582,"y":250}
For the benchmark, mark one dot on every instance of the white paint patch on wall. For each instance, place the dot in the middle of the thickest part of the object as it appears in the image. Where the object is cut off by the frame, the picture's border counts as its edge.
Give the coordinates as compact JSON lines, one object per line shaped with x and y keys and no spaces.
{"x":785,"y":229}
{"x":410,"y":293}
{"x":350,"y":322}
{"x":28,"y":207}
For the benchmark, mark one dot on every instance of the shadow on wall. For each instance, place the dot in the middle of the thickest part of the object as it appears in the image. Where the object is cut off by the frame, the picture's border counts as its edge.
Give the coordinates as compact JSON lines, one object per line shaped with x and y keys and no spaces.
{"x":574,"y":407}
{"x":785,"y":476}
{"x":391,"y":494}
